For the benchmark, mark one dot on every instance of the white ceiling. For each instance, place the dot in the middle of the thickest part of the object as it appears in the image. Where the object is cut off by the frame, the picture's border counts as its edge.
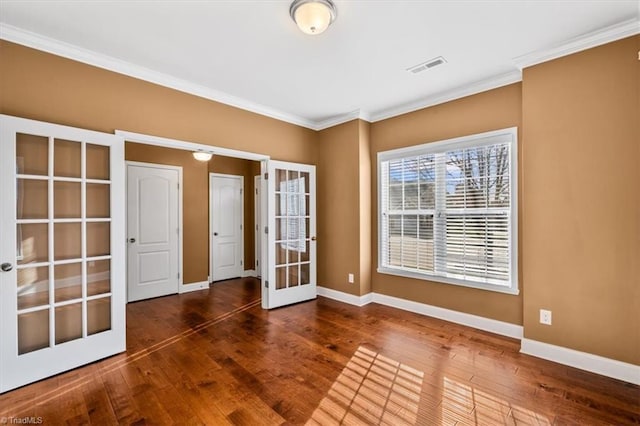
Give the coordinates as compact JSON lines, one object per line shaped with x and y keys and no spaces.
{"x":251,"y":54}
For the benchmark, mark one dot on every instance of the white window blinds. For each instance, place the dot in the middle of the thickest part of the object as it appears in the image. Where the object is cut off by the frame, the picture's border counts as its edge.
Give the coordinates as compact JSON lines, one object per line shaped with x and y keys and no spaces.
{"x":447,"y":211}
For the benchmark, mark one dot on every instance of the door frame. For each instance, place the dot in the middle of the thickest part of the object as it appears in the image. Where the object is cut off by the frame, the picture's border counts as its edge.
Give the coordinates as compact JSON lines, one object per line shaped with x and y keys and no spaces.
{"x":257,"y":219}
{"x":180,"y":225}
{"x":215,"y":150}
{"x":242,"y":194}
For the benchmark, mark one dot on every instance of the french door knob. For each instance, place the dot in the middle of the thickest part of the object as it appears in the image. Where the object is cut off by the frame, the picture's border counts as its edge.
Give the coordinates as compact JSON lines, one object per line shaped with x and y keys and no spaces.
{"x":6,"y":267}
{"x":132,"y":240}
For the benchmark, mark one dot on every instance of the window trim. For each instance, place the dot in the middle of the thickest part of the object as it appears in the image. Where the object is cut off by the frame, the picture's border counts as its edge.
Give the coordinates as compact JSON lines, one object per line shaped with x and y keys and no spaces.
{"x":507,"y":135}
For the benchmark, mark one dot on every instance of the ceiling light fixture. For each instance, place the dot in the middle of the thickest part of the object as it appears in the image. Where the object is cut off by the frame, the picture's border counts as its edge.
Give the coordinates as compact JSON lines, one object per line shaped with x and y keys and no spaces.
{"x":202,"y":155}
{"x":313,"y":16}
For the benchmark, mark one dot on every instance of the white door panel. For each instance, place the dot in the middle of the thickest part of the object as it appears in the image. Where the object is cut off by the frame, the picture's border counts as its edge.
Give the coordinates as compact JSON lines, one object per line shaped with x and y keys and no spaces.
{"x":153,"y":230}
{"x":226,"y":218}
{"x":291,"y":218}
{"x":62,"y":297}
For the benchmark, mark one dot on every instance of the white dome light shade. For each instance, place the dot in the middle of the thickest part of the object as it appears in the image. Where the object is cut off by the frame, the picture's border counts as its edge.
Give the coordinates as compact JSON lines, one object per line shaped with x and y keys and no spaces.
{"x":313,"y":16}
{"x":202,"y":155}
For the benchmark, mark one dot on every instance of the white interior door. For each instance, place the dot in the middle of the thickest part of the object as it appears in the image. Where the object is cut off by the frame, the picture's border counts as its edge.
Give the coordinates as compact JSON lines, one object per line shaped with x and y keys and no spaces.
{"x":62,"y":285}
{"x":257,"y":183}
{"x":153,"y":230}
{"x":291,"y":218}
{"x":226,"y":214}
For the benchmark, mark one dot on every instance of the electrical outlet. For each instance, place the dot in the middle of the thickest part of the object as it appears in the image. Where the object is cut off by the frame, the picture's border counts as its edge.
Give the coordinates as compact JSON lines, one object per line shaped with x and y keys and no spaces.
{"x":545,"y":317}
{"x":350,"y":278}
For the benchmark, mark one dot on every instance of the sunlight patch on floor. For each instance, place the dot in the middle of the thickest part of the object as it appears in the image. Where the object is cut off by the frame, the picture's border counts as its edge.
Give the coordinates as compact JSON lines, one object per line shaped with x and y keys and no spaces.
{"x":466,"y":404}
{"x":372,"y":389}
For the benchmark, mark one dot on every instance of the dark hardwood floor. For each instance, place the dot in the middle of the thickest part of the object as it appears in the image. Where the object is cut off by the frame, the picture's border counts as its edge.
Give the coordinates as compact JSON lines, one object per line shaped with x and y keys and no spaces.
{"x":215,"y":357}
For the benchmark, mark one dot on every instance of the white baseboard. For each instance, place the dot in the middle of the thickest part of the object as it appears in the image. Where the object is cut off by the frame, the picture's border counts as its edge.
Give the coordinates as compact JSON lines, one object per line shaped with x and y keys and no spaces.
{"x":582,"y":360}
{"x":475,"y":321}
{"x":344,"y":297}
{"x":186,"y":288}
{"x":249,"y":273}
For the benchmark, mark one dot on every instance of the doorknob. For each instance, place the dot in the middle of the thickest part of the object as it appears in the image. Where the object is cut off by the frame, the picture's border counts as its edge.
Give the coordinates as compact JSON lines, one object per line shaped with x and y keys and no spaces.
{"x":215,"y":234}
{"x":6,"y":267}
{"x":132,"y":240}
{"x":313,"y":238}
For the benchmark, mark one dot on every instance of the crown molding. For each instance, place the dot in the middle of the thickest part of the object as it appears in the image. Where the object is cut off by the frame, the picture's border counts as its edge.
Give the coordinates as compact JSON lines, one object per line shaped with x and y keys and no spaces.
{"x":76,"y":53}
{"x":340,"y":119}
{"x":586,"y":41}
{"x":450,"y":95}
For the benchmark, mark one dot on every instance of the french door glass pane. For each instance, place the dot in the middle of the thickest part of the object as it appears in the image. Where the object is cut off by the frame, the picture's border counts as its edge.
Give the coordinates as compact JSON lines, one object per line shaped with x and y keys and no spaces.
{"x":33,"y":199}
{"x":98,"y":315}
{"x":66,"y":161}
{"x":67,"y":241}
{"x":66,"y":200}
{"x":98,"y":277}
{"x":68,"y":281}
{"x":293,"y":276}
{"x":68,"y":323}
{"x":305,"y":273}
{"x":98,"y":239}
{"x":33,"y":331}
{"x":33,"y":243}
{"x":32,"y":154}
{"x":281,"y":277}
{"x":97,"y":162}
{"x":33,"y":287}
{"x":98,"y":203}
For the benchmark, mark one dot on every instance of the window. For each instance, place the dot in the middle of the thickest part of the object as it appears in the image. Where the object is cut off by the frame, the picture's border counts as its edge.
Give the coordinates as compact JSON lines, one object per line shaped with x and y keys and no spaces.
{"x":448,"y":211}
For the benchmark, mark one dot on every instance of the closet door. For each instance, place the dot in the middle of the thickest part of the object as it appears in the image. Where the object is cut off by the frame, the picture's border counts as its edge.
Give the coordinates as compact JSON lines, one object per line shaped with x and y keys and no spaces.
{"x":62,"y":278}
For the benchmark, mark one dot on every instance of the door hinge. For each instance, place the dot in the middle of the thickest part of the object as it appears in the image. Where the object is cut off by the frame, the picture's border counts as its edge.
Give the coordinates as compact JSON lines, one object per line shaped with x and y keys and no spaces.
{"x":266,"y":229}
{"x":178,"y":275}
{"x":241,"y":263}
{"x":266,"y":284}
{"x":266,"y":176}
{"x":240,"y":191}
{"x":257,"y":263}
{"x":178,"y":185}
{"x":256,"y":191}
{"x":241,"y":227}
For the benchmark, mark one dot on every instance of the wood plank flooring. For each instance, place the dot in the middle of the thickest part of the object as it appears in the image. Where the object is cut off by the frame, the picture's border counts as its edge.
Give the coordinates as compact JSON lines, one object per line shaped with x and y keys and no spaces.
{"x":215,"y":357}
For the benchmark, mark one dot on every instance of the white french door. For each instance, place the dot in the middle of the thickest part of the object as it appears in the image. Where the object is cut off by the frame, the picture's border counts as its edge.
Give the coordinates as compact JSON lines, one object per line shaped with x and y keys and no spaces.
{"x":62,"y":283}
{"x":291,"y":226}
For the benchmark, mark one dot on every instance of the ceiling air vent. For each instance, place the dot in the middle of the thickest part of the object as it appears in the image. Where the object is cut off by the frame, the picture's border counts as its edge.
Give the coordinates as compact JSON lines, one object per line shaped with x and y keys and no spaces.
{"x":427,"y":65}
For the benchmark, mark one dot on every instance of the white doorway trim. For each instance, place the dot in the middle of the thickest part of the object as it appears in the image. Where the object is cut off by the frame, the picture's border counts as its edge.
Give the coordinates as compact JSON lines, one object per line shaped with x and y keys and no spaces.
{"x":189,"y":146}
{"x":242,"y":187}
{"x":180,"y":224}
{"x":195,"y":146}
{"x":257,"y":218}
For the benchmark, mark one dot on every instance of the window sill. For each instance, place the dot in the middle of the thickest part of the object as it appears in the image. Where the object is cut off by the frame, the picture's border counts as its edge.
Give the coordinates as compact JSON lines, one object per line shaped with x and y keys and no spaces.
{"x":452,"y":281}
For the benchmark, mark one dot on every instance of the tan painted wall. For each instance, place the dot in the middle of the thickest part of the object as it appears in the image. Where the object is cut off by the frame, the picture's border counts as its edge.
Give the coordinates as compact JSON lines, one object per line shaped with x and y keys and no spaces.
{"x":45,"y":87}
{"x":492,"y":110}
{"x":365,"y":168}
{"x":247,"y":169}
{"x":195,"y":200}
{"x":344,"y":200}
{"x":41,"y":86}
{"x":338,"y":211}
{"x":581,"y":223}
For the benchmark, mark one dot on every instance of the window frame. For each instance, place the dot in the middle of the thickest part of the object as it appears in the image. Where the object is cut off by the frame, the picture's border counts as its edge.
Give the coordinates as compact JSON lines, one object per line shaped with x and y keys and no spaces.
{"x":507,"y":135}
